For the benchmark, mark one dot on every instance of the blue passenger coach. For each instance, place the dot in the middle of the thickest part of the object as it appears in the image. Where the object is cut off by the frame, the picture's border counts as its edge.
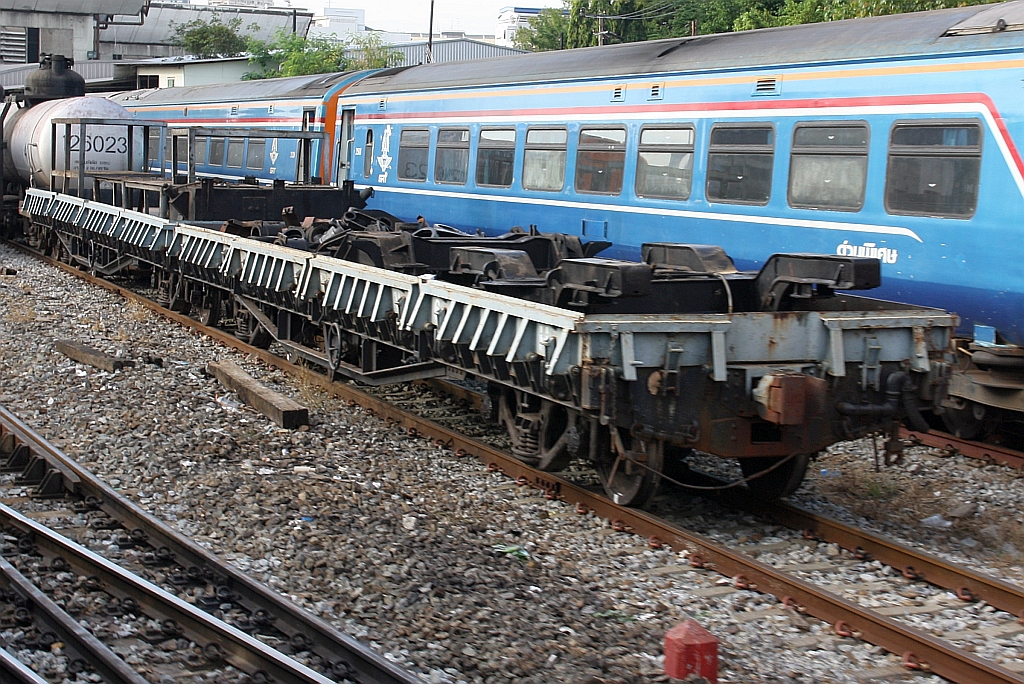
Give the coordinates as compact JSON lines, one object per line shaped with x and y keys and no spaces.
{"x":889,"y":137}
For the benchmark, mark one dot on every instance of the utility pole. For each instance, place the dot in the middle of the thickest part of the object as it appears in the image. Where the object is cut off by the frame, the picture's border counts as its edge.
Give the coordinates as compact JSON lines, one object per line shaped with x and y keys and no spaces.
{"x":600,"y":29}
{"x":430,"y":35}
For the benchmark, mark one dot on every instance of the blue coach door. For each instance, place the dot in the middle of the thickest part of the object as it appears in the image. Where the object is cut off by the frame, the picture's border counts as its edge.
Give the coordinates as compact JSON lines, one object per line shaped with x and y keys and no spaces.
{"x":343,"y":148}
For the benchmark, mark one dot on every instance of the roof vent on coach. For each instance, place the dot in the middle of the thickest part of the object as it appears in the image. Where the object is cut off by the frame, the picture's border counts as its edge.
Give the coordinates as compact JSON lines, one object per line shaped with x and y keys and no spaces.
{"x":382,"y":105}
{"x":657,"y":91}
{"x":619,"y":93}
{"x":767,"y":86}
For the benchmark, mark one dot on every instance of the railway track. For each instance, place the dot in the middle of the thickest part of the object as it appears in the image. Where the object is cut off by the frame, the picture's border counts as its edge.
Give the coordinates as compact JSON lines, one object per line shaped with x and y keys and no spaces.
{"x":990,"y":453}
{"x":920,"y":650}
{"x":226,"y":609}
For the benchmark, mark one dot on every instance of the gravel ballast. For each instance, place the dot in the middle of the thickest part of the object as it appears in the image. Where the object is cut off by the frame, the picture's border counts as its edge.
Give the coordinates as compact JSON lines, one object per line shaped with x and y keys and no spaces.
{"x":451,"y":571}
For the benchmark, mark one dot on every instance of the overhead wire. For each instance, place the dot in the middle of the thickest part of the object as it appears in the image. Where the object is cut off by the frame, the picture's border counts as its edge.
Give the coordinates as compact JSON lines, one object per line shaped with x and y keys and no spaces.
{"x":658,"y":11}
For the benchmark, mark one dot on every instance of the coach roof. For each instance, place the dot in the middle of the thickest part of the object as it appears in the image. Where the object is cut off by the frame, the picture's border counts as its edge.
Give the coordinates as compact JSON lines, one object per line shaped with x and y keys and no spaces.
{"x":296,"y":87}
{"x":955,"y":30}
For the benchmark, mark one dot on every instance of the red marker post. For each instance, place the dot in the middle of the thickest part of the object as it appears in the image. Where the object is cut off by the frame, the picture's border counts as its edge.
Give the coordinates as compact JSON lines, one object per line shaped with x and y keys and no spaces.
{"x":690,"y":649}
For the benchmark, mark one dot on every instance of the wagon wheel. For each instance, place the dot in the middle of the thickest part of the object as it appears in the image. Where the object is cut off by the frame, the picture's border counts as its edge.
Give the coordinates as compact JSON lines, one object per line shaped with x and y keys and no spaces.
{"x":333,"y":346}
{"x":249,"y":330}
{"x":777,"y":483}
{"x":629,"y":467}
{"x":62,"y":253}
{"x":209,"y":311}
{"x":558,"y":441}
{"x":966,"y":422}
{"x":543,"y":436}
{"x":177,"y":301}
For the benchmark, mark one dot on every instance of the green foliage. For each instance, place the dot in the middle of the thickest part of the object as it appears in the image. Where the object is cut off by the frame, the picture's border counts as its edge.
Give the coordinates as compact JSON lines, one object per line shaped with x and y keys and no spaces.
{"x":624,"y":22}
{"x":794,"y":12}
{"x":547,"y":31}
{"x":207,"y":39}
{"x":289,"y":54}
{"x":580,"y":27}
{"x":711,"y":16}
{"x":369,"y":51}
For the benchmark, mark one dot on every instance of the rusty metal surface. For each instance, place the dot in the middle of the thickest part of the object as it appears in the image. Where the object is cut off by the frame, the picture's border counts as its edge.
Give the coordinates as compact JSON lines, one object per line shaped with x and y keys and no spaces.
{"x":924,"y":566}
{"x":939,"y":657}
{"x":991,"y":453}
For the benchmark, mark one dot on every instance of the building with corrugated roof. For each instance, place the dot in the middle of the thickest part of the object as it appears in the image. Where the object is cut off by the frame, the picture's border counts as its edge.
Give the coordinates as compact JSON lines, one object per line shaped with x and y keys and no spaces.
{"x":447,"y":50}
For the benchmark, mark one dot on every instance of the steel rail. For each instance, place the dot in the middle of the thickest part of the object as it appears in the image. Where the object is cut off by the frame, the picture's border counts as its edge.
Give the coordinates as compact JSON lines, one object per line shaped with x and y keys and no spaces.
{"x":915,"y":564}
{"x":19,"y":672}
{"x":348,"y":657}
{"x":990,"y":453}
{"x":924,"y":650}
{"x":79,"y":642}
{"x":238,"y":648}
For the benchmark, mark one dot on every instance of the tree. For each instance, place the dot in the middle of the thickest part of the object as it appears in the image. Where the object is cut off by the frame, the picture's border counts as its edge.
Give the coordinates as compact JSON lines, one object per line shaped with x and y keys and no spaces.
{"x":289,"y":54}
{"x":369,"y":51}
{"x":621,"y":21}
{"x":794,"y":12}
{"x":547,"y":31}
{"x":210,"y":39}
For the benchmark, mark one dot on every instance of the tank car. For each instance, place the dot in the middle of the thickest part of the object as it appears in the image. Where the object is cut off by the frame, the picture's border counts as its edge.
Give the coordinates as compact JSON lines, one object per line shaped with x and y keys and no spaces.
{"x":51,"y":92}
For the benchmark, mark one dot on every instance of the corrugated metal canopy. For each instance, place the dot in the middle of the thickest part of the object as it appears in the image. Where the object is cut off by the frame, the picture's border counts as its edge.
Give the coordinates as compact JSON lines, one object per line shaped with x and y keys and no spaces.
{"x":269,"y":89}
{"x":78,"y":6}
{"x":13,"y":76}
{"x":162,"y":18}
{"x":869,"y":38}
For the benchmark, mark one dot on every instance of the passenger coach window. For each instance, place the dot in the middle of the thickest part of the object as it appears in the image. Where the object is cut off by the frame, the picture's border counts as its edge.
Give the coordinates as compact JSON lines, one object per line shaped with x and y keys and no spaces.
{"x":201,"y":150}
{"x":740,"y":164}
{"x":665,"y":163}
{"x":933,"y":169}
{"x":235,"y":148}
{"x":182,"y":145}
{"x":496,"y":157}
{"x":412,"y":154}
{"x":368,"y":154}
{"x":217,"y":152}
{"x":154,"y":145}
{"x":451,"y":161}
{"x":601,"y":160}
{"x":828,"y":167}
{"x":544,"y":163}
{"x":254,"y":155}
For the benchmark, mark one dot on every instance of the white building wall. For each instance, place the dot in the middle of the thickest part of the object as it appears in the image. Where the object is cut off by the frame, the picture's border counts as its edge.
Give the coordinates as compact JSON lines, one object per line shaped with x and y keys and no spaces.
{"x":61,"y":34}
{"x":196,"y":74}
{"x":510,"y":20}
{"x":339,"y":22}
{"x":209,"y":73}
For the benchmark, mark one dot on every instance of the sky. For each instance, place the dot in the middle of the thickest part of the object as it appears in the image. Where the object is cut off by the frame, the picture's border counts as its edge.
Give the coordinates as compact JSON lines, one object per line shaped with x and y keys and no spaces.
{"x":405,"y":16}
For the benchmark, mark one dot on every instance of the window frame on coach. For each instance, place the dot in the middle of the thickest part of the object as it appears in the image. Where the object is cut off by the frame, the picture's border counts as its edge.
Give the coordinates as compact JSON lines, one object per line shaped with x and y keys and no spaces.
{"x":405,"y":148}
{"x":740,"y":149}
{"x":831,"y":153}
{"x":641,"y":181}
{"x":531,"y":150}
{"x":897,"y":152}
